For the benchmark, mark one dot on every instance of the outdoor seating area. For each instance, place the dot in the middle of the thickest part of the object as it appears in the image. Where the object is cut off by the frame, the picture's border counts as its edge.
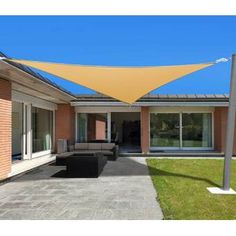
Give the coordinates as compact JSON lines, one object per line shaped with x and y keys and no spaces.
{"x":85,"y":166}
{"x":107,"y":149}
{"x":87,"y":159}
{"x":78,"y":165}
{"x":110,"y":150}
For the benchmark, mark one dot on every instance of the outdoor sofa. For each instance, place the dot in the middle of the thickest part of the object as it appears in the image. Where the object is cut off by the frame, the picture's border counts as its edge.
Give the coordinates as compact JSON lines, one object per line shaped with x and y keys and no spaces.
{"x":110,"y":150}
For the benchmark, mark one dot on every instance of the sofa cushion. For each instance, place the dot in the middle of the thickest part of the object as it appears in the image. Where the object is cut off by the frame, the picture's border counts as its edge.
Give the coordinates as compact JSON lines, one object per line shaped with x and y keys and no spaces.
{"x":65,"y":154}
{"x":104,"y":152}
{"x":107,"y":153}
{"x":107,"y":146}
{"x":84,"y":151}
{"x":94,"y":146}
{"x":79,"y":146}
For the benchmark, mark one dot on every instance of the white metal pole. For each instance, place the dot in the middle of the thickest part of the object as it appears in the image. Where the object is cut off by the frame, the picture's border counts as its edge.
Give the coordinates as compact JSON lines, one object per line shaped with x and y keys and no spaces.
{"x":230,"y":127}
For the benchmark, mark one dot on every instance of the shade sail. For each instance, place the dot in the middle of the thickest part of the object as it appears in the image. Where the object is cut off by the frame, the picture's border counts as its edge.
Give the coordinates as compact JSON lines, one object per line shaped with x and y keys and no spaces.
{"x":127,"y":84}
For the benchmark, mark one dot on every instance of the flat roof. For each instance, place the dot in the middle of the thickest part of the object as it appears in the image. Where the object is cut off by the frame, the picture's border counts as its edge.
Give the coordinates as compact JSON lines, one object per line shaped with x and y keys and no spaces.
{"x":155,"y":100}
{"x":157,"y":96}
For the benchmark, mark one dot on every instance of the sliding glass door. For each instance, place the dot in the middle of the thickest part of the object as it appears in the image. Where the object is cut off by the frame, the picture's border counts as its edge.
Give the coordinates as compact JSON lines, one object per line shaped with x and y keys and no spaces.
{"x":92,"y":127}
{"x":42,"y":129}
{"x":197,"y":130}
{"x":181,"y":130}
{"x":164,"y":130}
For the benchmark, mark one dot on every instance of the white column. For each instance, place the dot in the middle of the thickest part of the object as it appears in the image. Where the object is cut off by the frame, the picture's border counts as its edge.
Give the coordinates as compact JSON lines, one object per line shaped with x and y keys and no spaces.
{"x":27,"y":133}
{"x":109,"y":126}
{"x":181,"y":130}
{"x":76,"y":127}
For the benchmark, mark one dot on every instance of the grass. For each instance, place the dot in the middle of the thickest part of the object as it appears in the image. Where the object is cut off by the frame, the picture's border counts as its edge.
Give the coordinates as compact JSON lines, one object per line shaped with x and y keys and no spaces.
{"x":181,"y":186}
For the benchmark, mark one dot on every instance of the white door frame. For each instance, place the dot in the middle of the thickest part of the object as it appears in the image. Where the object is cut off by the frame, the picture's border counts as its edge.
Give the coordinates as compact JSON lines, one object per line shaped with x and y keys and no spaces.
{"x":29,"y":101}
{"x":27,"y":132}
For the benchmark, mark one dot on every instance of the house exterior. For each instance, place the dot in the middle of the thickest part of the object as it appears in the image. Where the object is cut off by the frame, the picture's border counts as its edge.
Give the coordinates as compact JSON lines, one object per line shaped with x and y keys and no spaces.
{"x":35,"y":113}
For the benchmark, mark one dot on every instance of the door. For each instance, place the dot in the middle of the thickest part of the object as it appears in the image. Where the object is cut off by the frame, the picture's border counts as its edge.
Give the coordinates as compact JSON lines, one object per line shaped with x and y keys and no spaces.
{"x":165,"y":130}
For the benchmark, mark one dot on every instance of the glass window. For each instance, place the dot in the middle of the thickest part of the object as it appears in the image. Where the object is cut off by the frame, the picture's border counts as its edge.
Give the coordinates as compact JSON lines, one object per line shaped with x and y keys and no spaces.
{"x":91,"y":127}
{"x":164,"y":130}
{"x":197,"y":129}
{"x":42,"y":129}
{"x":82,"y":127}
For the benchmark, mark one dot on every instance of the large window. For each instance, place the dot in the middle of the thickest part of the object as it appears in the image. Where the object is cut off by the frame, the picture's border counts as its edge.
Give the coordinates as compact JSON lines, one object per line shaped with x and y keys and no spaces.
{"x":197,"y":130}
{"x":164,"y":130}
{"x":91,"y":127}
{"x":42,"y":129}
{"x":181,"y":130}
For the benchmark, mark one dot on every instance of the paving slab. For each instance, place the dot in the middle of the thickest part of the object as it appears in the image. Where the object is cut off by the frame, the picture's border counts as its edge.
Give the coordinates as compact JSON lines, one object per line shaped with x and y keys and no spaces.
{"x":124,"y":191}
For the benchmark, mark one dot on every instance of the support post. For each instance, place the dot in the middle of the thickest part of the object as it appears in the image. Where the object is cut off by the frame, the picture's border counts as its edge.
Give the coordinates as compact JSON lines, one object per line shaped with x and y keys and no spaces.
{"x":229,"y":136}
{"x":109,"y":127}
{"x":230,"y":127}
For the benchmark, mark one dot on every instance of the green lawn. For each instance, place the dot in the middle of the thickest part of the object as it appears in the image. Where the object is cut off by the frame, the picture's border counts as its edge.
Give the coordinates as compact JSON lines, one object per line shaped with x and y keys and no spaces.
{"x":182,"y":192}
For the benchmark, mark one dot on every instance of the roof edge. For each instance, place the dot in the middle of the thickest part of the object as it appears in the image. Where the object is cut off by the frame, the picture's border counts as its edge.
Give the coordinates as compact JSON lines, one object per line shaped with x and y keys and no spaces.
{"x":36,"y":75}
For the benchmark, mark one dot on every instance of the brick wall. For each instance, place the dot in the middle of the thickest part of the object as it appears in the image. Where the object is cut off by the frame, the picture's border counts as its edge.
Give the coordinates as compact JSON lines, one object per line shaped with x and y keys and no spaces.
{"x":220,"y":126}
{"x":145,"y":129}
{"x":65,"y":123}
{"x":5,"y":128}
{"x":65,"y":126}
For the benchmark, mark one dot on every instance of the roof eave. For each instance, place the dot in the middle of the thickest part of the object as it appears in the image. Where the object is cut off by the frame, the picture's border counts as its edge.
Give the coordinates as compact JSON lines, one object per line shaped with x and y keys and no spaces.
{"x":159,"y":104}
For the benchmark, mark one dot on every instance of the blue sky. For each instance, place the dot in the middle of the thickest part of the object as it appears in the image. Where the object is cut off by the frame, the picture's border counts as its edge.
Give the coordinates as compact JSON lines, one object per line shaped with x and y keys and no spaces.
{"x":128,"y":41}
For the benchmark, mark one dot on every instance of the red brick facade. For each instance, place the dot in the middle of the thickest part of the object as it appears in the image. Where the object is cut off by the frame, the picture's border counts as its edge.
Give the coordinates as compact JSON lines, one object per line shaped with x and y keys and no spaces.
{"x":145,"y":129}
{"x":5,"y":128}
{"x":220,"y":123}
{"x":65,"y":123}
{"x":65,"y":127}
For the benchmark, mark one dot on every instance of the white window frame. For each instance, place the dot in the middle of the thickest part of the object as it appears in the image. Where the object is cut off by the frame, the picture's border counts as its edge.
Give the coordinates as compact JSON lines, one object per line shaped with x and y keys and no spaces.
{"x":29,"y":101}
{"x":27,"y":139}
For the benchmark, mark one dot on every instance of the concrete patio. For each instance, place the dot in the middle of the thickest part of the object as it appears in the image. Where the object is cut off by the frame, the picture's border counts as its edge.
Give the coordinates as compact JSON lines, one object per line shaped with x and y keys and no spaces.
{"x":123,"y":191}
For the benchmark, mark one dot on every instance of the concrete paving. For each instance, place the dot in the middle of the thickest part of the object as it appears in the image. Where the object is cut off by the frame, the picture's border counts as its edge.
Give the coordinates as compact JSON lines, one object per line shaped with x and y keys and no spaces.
{"x":123,"y":191}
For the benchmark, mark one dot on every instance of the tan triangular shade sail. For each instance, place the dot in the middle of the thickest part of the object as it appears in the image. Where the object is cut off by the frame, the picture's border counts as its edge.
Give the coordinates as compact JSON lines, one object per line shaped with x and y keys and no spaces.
{"x":126,"y":84}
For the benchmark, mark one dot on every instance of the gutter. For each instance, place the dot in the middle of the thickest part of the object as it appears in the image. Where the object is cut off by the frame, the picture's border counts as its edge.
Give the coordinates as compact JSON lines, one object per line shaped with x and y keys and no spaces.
{"x":138,"y":104}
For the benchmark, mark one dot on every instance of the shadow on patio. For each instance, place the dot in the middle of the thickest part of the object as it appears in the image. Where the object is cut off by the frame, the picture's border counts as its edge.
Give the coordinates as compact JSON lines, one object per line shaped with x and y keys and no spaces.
{"x":159,"y":172}
{"x":124,"y":166}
